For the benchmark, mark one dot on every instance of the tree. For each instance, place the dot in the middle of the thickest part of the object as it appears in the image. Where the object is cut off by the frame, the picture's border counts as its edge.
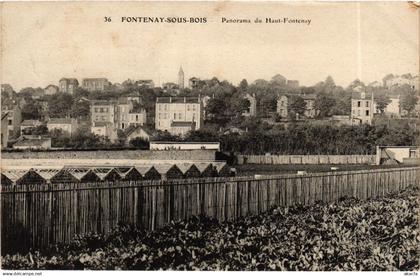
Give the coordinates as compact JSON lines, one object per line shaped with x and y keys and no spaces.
{"x":30,"y":110}
{"x":239,"y":106}
{"x":243,"y":86}
{"x":60,"y":105}
{"x":382,"y":102}
{"x":325,"y":104}
{"x":408,"y":101}
{"x":297,"y":105}
{"x":80,"y":109}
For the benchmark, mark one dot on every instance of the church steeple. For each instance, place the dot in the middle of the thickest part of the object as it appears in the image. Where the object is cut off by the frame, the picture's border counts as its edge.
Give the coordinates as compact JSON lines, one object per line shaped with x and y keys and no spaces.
{"x":181,"y":78}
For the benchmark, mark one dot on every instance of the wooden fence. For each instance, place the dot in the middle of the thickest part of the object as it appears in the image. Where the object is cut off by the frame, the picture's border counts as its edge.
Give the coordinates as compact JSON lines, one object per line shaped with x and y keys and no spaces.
{"x":33,"y":217}
{"x":306,"y":159}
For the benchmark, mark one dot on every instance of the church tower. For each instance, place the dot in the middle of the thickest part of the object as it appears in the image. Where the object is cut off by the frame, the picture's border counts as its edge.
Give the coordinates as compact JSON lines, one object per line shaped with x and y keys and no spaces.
{"x":181,"y":78}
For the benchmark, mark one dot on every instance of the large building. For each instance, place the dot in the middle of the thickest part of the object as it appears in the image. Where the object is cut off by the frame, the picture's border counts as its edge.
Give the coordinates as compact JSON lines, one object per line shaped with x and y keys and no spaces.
{"x":178,"y":115}
{"x":103,"y":111}
{"x":362,"y":108}
{"x":68,"y":85}
{"x":95,"y":84}
{"x":181,"y":78}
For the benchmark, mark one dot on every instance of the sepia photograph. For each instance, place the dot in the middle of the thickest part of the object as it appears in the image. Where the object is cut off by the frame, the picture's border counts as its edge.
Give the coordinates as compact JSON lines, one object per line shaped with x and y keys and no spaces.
{"x":209,"y":136}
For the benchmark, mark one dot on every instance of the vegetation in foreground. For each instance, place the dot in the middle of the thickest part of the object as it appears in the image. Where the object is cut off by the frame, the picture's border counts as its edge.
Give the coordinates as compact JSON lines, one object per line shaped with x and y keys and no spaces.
{"x":376,"y":234}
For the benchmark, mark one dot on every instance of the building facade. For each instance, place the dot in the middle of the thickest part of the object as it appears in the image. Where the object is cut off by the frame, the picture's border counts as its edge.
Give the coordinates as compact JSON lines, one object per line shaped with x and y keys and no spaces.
{"x":178,"y":114}
{"x":282,"y":103}
{"x":362,"y":108}
{"x":310,"y":111}
{"x":145,"y":83}
{"x":95,"y":84}
{"x":14,"y":119}
{"x":252,"y":109}
{"x":4,"y":131}
{"x":66,"y":125}
{"x":66,"y":85}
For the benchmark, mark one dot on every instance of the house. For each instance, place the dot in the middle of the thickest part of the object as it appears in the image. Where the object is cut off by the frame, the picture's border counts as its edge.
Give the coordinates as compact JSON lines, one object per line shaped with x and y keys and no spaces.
{"x":168,"y":86}
{"x":178,"y":115}
{"x":193,"y":82}
{"x":66,"y":85}
{"x":103,"y":111}
{"x":29,"y":124}
{"x":310,"y":111}
{"x":133,"y":132}
{"x":51,"y":89}
{"x":33,"y":143}
{"x":105,"y":129}
{"x":123,"y":109}
{"x":145,"y":83}
{"x":137,"y":117}
{"x":95,"y":84}
{"x":14,"y":118}
{"x":252,"y":109}
{"x":362,"y":108}
{"x":66,"y":125}
{"x":4,"y":131}
{"x":282,"y":104}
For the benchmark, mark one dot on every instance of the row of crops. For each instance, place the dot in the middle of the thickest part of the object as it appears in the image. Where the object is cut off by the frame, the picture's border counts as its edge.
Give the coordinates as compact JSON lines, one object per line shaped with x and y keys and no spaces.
{"x":351,"y":234}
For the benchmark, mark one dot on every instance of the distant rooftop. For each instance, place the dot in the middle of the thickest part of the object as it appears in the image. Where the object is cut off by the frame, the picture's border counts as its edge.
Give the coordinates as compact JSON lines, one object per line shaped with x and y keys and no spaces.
{"x":60,"y":121}
{"x":177,"y":100}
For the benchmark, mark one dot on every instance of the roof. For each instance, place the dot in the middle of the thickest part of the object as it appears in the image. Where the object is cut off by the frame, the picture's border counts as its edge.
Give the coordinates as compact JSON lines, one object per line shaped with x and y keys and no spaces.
{"x":95,"y":79}
{"x":32,"y":142}
{"x":182,"y":124}
{"x":177,"y":100}
{"x":103,"y":102}
{"x":131,"y":129}
{"x":308,"y":96}
{"x":357,"y":95}
{"x":70,"y":80}
{"x":51,"y":85}
{"x":60,"y":121}
{"x":4,"y":116}
{"x":30,"y":123}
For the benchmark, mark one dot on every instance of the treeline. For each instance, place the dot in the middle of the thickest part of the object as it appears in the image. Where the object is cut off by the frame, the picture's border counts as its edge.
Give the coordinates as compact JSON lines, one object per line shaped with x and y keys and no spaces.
{"x":306,"y":138}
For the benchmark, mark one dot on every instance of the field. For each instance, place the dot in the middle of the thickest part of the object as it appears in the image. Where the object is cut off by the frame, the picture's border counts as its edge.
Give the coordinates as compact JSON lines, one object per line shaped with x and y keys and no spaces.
{"x":252,"y":169}
{"x":375,"y":234}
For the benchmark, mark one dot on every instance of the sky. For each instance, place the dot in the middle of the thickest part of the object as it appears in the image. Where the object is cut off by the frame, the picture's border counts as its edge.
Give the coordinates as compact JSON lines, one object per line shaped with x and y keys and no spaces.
{"x":45,"y":41}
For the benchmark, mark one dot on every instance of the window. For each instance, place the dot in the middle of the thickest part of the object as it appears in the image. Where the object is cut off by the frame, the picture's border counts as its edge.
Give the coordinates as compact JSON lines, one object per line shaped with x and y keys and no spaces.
{"x":367,"y":112}
{"x":174,"y":116}
{"x":10,"y":122}
{"x":101,"y":109}
{"x":367,"y":104}
{"x":188,"y":107}
{"x":180,"y":116}
{"x":193,"y":107}
{"x":137,"y":117}
{"x":358,"y":104}
{"x":96,"y":110}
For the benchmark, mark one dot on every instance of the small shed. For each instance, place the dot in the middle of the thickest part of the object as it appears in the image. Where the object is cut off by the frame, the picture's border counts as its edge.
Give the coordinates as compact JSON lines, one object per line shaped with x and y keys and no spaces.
{"x":209,"y":171}
{"x":193,"y":172}
{"x":5,"y":180}
{"x":174,"y":173}
{"x":64,"y":176}
{"x":112,"y":175}
{"x":31,"y":177}
{"x":132,"y":175}
{"x":90,"y":176}
{"x":152,"y":174}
